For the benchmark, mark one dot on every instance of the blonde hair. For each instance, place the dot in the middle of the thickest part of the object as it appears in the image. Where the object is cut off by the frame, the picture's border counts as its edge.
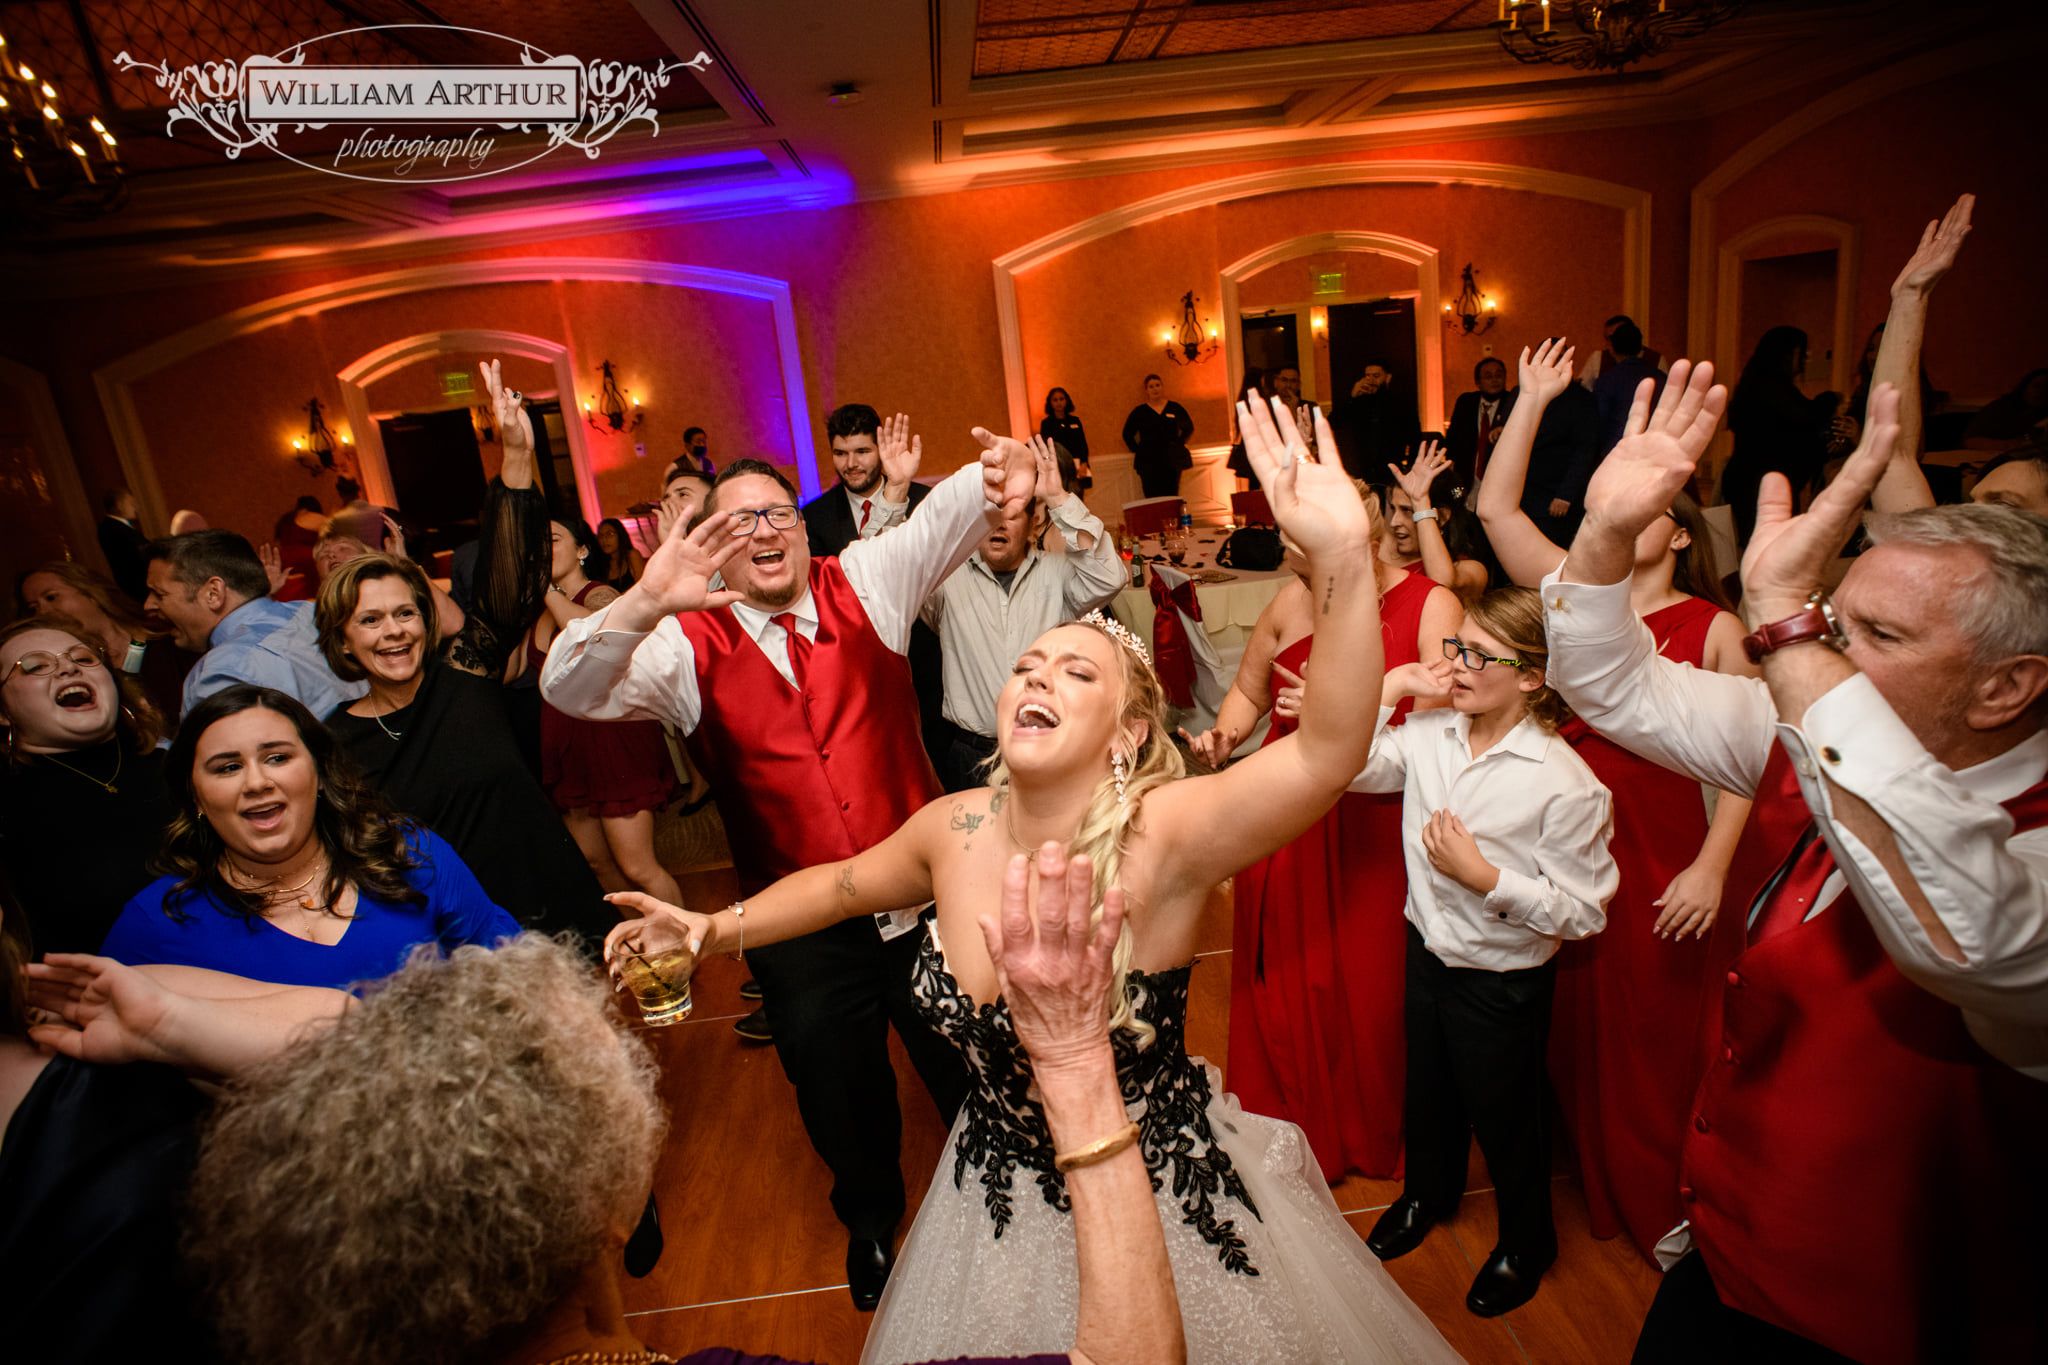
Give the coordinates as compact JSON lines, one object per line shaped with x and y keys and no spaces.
{"x":1514,"y":616}
{"x":437,"y":1169}
{"x":1112,"y":817}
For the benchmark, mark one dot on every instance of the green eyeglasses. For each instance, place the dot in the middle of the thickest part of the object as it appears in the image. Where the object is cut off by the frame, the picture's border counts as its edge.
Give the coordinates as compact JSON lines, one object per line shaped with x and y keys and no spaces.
{"x":1455,"y":649}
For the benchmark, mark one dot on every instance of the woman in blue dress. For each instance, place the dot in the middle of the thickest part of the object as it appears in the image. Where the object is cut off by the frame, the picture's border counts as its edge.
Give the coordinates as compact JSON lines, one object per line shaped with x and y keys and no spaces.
{"x":285,"y":867}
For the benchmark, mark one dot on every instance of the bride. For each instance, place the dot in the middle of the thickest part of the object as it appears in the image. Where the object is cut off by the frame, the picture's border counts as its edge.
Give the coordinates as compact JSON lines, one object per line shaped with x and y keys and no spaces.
{"x":1264,"y":1265}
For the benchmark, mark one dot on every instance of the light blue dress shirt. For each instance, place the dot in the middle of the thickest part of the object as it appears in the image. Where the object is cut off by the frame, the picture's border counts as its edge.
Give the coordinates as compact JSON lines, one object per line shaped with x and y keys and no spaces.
{"x":270,"y":644}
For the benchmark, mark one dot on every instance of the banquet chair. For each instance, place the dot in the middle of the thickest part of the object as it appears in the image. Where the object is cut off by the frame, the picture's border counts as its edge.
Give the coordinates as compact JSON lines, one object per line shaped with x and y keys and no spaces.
{"x":1251,"y":508}
{"x":1197,"y":689}
{"x":1150,"y":516}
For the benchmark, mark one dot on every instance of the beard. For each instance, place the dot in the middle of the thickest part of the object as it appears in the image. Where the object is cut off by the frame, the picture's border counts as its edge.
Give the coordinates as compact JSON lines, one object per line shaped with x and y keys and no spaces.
{"x":867,"y":487}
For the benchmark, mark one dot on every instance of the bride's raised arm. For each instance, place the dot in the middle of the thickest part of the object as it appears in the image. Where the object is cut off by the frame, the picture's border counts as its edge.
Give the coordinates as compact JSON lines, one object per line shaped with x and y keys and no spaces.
{"x":1207,"y":828}
{"x":895,"y":874}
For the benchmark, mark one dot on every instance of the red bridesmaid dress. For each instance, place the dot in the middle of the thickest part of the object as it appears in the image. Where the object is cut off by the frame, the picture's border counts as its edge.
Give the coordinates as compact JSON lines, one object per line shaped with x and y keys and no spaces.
{"x":1624,"y":1044}
{"x":609,"y":768}
{"x":1316,"y":978}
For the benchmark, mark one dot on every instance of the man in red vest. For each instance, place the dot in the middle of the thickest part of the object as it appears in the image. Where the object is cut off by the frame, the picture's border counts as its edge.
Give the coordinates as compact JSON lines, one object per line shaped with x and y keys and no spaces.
{"x":1862,"y":1176}
{"x":791,"y":686}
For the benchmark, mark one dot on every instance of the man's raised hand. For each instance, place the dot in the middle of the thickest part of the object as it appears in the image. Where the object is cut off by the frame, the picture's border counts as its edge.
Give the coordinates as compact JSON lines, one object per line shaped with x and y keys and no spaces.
{"x":902,"y":454}
{"x":1787,"y":557}
{"x":1009,"y":472}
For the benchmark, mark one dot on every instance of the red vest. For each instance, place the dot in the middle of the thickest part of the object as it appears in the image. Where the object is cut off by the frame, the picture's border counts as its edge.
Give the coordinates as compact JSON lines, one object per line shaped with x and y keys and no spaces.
{"x":811,"y":778}
{"x":1857,"y":1169}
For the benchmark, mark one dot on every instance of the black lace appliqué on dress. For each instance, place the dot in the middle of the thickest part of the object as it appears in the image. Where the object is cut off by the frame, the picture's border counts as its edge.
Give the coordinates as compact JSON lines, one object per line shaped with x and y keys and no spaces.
{"x":1166,"y":1093}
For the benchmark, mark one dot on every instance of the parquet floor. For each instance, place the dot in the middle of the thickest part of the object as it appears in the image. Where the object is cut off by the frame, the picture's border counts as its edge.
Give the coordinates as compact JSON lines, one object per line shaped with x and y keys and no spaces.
{"x":754,"y":1256}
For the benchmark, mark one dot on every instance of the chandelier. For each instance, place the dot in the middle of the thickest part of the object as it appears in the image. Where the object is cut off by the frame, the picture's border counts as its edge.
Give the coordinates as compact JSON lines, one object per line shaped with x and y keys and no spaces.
{"x":1603,"y":35}
{"x":56,"y":165}
{"x":1186,"y":344}
{"x":1472,"y":312}
{"x":608,"y":411}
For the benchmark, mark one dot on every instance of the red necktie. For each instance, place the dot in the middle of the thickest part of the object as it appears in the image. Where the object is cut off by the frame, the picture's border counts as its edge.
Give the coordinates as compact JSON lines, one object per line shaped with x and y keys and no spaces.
{"x":866,"y":506}
{"x":1485,"y":440}
{"x":1789,"y":897}
{"x":799,"y":648}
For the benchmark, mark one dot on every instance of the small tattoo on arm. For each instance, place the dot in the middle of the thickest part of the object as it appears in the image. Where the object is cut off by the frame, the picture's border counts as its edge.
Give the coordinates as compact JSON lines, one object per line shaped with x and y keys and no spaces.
{"x":846,"y":880}
{"x":965,"y":823}
{"x":1329,"y":594}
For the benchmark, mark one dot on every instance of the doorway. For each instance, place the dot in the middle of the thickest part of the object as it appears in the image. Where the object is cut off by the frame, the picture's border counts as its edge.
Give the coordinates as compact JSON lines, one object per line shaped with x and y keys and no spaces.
{"x":1381,"y":331}
{"x":437,"y":476}
{"x":1797,"y":289}
{"x":1271,"y":342}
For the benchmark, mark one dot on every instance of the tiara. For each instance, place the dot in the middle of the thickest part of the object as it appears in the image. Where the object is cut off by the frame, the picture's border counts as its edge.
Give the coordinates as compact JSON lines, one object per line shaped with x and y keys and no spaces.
{"x":1118,"y":631}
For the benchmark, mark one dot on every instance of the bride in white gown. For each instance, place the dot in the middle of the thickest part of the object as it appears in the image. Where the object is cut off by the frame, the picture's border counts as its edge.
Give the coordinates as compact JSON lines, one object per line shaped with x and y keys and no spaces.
{"x":1265,"y":1267}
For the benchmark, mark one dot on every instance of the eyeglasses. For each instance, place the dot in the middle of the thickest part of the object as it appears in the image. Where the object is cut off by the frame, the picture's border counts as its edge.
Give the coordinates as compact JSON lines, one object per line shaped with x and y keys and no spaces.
{"x":40,"y":663}
{"x":782,"y":516}
{"x":1454,"y":648}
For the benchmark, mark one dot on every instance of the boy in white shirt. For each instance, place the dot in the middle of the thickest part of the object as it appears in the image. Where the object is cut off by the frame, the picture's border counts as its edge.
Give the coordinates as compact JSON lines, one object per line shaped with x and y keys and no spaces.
{"x":1505,"y":832}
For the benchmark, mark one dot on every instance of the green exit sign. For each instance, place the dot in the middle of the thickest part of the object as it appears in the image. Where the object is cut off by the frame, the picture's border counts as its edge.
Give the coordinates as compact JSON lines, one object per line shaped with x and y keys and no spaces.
{"x":1329,"y":281}
{"x":455,"y":383}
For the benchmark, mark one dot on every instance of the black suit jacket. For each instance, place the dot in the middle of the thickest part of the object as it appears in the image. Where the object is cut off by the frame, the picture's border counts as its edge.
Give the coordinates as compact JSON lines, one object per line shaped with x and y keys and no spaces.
{"x":1561,"y":461}
{"x":122,"y":545}
{"x":828,"y":519}
{"x":830,"y":527}
{"x":1461,"y":438}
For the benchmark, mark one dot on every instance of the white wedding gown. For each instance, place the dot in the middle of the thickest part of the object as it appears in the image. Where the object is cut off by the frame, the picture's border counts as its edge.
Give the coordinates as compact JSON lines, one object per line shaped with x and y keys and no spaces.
{"x":1265,"y":1266}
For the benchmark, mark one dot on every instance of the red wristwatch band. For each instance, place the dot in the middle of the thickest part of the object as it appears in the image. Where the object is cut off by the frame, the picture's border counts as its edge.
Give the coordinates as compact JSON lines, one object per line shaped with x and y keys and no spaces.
{"x":1816,"y":622}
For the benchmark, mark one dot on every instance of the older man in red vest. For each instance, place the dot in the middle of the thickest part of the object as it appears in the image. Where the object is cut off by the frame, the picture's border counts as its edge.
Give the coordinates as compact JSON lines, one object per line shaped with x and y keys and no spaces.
{"x":791,"y":686}
{"x":1862,"y":1176}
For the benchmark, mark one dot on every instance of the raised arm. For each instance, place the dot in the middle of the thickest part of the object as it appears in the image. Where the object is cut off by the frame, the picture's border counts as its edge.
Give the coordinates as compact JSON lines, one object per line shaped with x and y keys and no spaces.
{"x":1709,"y":726}
{"x":512,"y":550}
{"x":894,"y":574}
{"x":1251,"y":693}
{"x":1210,"y":827}
{"x":1416,"y":481}
{"x":1054,"y":972}
{"x":1520,"y":545}
{"x":1903,"y":486}
{"x":630,"y":660}
{"x":889,"y":876}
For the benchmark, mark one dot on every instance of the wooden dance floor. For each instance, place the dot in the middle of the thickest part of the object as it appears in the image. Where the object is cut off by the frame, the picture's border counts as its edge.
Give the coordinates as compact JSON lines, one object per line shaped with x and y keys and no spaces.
{"x":754,"y":1257}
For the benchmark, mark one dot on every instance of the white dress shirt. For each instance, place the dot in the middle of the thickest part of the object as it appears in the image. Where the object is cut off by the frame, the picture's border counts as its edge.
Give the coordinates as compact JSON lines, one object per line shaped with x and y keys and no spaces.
{"x":1537,"y":813}
{"x":1988,"y":885}
{"x":881,"y":513}
{"x":604,"y":674}
{"x":983,"y":627}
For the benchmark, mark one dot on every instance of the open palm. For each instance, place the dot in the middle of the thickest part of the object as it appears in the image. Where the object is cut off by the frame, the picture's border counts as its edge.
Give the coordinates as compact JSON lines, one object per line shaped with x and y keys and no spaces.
{"x":1788,"y":555}
{"x":1939,"y":243}
{"x":1655,"y":458}
{"x":1544,"y":374}
{"x":1316,"y":504}
{"x":680,"y":570}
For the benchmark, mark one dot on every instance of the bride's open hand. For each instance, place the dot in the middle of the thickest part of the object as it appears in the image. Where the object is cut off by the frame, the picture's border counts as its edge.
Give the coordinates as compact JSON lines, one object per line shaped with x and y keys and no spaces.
{"x":1316,"y":504}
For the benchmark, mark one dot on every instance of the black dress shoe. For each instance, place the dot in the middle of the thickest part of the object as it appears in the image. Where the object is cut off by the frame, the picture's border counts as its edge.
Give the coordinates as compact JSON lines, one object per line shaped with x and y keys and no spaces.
{"x":1400,"y":1229}
{"x":1506,"y":1282}
{"x":754,"y":1027}
{"x":868,"y":1263}
{"x":643,"y":1248}
{"x":750,"y":989}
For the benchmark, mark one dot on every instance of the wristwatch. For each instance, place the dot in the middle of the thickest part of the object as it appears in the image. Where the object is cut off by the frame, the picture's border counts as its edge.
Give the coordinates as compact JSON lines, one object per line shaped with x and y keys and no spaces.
{"x":1816,"y":622}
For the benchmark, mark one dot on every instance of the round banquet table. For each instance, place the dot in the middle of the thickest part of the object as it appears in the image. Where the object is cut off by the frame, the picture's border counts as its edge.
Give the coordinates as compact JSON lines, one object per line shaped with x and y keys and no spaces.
{"x":1230,"y":606}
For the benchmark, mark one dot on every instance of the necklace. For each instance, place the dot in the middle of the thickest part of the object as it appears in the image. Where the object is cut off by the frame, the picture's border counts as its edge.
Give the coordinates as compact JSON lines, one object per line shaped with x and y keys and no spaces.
{"x":393,"y":735}
{"x":273,"y":893}
{"x":1010,"y":829}
{"x":643,"y":1356}
{"x":106,"y":784}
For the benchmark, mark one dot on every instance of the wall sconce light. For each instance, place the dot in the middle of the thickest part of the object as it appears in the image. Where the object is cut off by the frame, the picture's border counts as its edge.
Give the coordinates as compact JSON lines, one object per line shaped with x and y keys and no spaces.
{"x":315,"y":450}
{"x":1471,"y":312}
{"x":1193,"y":341}
{"x":609,"y":410}
{"x":1319,"y":326}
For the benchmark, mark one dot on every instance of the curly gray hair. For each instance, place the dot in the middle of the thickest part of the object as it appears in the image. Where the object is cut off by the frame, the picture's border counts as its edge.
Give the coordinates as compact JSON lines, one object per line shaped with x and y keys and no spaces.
{"x":440,"y":1166}
{"x":2000,"y":607}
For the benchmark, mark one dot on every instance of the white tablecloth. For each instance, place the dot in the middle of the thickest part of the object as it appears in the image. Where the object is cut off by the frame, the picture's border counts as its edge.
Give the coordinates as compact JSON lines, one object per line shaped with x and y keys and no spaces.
{"x":1229,"y":609}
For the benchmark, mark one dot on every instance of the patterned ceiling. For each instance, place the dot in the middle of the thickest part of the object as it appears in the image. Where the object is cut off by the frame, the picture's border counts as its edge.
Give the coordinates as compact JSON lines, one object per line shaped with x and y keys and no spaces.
{"x":1013,"y":37}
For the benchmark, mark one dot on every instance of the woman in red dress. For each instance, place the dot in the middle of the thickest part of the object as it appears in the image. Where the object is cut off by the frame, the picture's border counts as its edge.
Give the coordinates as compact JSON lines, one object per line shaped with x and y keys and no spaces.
{"x":1623,"y":1041}
{"x":608,"y":778}
{"x":1317,"y":967}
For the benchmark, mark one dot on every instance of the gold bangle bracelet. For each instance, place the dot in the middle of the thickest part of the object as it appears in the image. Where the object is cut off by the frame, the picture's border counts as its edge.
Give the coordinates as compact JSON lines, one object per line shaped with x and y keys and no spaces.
{"x":1102,"y":1149}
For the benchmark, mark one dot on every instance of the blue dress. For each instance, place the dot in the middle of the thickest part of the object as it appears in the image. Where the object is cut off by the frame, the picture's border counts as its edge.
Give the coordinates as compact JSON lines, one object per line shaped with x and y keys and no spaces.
{"x":374,"y":945}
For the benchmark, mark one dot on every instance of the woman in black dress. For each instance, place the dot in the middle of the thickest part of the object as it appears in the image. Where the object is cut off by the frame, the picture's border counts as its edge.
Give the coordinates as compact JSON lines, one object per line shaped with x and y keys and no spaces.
{"x":1777,"y":428}
{"x":1063,"y":428}
{"x":432,"y":731}
{"x":82,"y":798}
{"x":1156,"y":433}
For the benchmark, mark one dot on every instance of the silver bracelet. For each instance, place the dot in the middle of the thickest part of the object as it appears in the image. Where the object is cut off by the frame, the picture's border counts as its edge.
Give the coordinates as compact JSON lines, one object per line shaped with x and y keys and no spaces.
{"x":1426,"y":514}
{"x":739,"y":917}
